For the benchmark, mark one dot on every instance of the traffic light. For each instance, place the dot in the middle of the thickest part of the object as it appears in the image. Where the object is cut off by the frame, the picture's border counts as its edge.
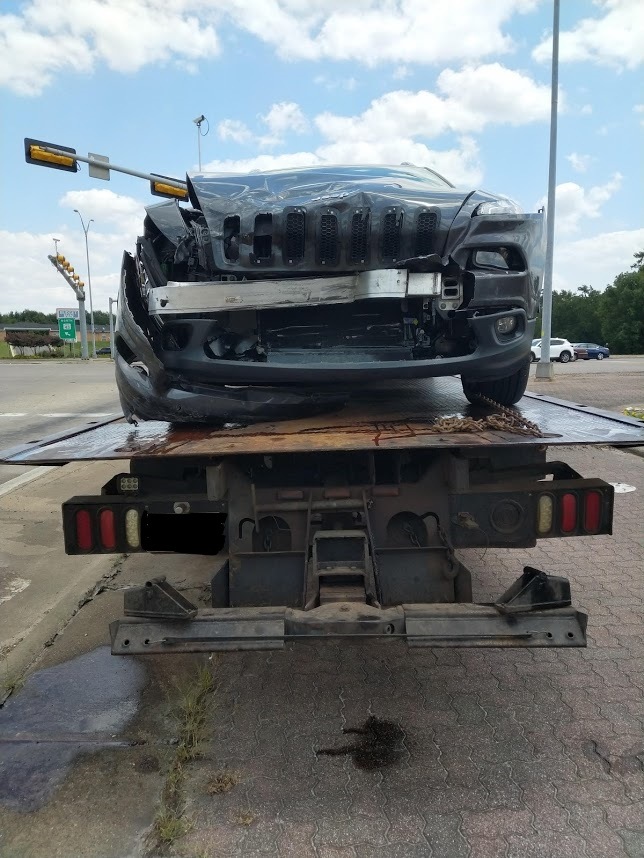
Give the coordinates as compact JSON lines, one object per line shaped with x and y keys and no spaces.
{"x":35,"y":153}
{"x":163,"y":189}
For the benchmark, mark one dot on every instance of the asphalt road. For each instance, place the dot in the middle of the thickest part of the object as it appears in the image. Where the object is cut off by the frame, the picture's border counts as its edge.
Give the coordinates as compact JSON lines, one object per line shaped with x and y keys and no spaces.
{"x":40,"y":398}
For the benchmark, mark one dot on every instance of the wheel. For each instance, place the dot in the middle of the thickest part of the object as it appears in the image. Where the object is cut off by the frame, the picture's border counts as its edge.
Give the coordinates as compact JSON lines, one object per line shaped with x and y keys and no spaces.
{"x":600,"y":356}
{"x":564,"y":357}
{"x":505,"y":391}
{"x":533,"y":357}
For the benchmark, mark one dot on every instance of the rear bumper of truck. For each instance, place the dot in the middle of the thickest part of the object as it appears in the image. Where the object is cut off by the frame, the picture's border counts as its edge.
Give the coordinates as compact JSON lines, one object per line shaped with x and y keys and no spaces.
{"x":420,"y":625}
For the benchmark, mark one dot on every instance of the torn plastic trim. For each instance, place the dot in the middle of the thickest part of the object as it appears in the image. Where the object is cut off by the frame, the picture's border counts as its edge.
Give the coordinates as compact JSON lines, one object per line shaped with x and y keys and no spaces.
{"x":216,"y":404}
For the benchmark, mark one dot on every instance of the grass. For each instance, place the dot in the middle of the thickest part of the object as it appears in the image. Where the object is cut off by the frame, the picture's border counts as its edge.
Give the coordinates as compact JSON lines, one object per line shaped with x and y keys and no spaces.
{"x":192,"y":716}
{"x":222,"y":782}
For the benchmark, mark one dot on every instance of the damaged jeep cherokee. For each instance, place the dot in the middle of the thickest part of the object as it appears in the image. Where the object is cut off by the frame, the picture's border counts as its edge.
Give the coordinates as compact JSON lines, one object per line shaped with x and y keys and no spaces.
{"x":274,"y":294}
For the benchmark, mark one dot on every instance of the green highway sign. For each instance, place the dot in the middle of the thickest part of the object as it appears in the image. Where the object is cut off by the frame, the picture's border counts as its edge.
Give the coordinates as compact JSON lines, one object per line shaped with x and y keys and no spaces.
{"x":67,"y":329}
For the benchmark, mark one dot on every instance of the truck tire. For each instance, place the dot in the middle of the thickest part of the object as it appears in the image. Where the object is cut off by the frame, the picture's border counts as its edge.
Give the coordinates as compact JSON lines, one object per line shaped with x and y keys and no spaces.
{"x":505,"y":391}
{"x":564,"y":357}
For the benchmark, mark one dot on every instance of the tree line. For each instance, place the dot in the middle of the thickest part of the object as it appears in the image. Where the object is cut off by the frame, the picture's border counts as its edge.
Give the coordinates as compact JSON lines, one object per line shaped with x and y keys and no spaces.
{"x":15,"y":317}
{"x":614,"y":317}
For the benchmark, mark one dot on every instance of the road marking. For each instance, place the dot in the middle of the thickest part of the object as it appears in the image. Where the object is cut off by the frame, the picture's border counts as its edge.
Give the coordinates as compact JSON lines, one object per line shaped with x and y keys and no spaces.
{"x":23,"y":479}
{"x":58,"y":414}
{"x":13,"y":586}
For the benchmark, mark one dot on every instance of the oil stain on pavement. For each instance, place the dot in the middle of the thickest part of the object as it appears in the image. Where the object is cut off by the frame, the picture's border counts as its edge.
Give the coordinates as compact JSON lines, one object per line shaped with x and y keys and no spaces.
{"x":380,"y":744}
{"x":75,"y":707}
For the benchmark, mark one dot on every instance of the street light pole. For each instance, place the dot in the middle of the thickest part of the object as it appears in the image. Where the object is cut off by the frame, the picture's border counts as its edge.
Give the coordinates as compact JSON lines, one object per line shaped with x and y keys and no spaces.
{"x":89,"y":280}
{"x":112,"y":301}
{"x":545,"y":370}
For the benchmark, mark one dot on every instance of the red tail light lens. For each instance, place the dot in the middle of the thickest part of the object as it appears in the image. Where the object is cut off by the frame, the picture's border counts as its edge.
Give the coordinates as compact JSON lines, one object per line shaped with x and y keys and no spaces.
{"x":84,"y":536}
{"x":568,"y":513}
{"x":592,"y":512}
{"x":107,"y":529}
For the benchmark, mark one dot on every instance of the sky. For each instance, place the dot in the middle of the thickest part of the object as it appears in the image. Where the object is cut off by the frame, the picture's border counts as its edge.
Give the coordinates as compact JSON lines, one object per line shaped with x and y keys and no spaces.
{"x":462,"y":87}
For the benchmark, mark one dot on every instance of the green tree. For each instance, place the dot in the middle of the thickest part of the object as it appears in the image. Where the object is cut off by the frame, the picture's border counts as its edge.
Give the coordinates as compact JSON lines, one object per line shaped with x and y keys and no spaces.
{"x":622,"y":313}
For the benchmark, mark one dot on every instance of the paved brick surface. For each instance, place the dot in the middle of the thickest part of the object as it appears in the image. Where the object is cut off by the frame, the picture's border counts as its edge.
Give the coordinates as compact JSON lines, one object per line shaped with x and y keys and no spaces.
{"x":505,"y":754}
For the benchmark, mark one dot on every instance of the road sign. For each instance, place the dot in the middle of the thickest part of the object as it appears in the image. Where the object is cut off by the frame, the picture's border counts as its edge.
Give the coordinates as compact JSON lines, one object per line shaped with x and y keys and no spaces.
{"x":67,"y":329}
{"x":67,"y":313}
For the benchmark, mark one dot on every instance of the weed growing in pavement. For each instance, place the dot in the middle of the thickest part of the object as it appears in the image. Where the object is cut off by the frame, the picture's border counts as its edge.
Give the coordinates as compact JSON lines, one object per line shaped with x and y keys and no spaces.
{"x":192,"y":712}
{"x":245,"y":817}
{"x":222,"y":782}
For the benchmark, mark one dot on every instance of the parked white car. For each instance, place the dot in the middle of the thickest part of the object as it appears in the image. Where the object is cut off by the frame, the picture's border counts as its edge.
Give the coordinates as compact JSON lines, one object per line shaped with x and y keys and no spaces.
{"x":561,"y":350}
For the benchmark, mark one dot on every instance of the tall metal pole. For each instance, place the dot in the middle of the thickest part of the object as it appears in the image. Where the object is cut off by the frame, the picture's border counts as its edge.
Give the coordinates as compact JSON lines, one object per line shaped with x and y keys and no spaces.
{"x":89,"y":280}
{"x":83,"y":328}
{"x":199,"y":143}
{"x":112,"y":301}
{"x":545,"y":370}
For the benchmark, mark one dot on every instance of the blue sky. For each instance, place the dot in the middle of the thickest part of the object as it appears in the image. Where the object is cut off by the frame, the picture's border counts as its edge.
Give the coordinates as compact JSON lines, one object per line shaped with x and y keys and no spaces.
{"x":462,"y":87}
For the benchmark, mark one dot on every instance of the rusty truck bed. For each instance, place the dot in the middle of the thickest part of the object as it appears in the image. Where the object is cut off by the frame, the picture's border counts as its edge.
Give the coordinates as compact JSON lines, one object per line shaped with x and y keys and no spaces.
{"x":392,"y":417}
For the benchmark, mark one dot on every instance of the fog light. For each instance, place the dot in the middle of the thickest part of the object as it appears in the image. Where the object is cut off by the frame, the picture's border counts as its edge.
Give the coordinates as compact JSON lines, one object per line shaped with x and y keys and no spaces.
{"x":506,"y":324}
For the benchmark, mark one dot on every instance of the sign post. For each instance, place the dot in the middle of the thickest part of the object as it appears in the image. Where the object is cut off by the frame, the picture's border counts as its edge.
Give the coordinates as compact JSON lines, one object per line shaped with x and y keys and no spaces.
{"x":67,"y":317}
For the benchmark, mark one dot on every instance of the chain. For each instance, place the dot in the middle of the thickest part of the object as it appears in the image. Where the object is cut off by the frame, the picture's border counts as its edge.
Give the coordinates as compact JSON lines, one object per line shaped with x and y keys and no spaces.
{"x":505,"y":421}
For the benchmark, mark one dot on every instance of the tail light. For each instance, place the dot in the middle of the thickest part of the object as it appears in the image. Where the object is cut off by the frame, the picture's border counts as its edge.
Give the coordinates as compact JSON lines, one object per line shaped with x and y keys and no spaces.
{"x":101,"y":528}
{"x":84,"y":535}
{"x":107,"y":529}
{"x":592,"y":512}
{"x":566,"y":512}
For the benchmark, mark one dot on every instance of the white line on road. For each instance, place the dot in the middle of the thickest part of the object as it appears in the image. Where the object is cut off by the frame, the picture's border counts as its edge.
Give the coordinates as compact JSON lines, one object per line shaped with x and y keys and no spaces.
{"x":59,"y":414}
{"x":25,"y":478}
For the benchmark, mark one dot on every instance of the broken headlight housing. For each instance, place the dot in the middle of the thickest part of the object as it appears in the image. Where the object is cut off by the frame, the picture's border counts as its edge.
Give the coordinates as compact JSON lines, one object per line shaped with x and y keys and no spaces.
{"x":501,"y":206}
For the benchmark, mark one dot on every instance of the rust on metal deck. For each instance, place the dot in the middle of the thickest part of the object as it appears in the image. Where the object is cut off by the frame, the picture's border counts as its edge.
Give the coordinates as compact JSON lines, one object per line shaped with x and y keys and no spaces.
{"x":393,"y":417}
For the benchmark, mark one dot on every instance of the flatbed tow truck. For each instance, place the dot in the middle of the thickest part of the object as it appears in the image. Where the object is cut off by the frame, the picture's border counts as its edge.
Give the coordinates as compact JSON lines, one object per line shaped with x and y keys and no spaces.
{"x":344,"y":525}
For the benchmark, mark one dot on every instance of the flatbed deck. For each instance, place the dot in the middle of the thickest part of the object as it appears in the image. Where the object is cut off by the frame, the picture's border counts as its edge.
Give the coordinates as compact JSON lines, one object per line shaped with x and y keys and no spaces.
{"x":392,"y":417}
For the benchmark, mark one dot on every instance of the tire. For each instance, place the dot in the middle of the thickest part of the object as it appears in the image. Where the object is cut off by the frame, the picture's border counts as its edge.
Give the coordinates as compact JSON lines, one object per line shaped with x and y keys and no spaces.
{"x":505,"y":391}
{"x":533,"y":357}
{"x":600,"y":356}
{"x":564,"y":357}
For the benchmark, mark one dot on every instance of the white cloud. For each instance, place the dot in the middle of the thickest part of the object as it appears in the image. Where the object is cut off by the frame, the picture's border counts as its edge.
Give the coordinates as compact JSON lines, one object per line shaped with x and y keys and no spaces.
{"x":468,"y":100}
{"x":30,"y":280}
{"x":48,"y":36}
{"x":579,"y":163}
{"x":235,"y":130}
{"x":284,"y":117}
{"x":51,"y":35}
{"x":586,"y":110}
{"x":639,"y":108}
{"x":615,"y":39}
{"x":595,"y":260}
{"x":395,"y":126}
{"x":575,"y":205}
{"x":375,"y":31}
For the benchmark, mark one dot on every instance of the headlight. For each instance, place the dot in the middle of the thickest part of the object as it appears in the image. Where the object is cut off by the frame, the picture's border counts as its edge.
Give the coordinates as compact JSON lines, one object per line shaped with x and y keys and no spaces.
{"x":502,"y":206}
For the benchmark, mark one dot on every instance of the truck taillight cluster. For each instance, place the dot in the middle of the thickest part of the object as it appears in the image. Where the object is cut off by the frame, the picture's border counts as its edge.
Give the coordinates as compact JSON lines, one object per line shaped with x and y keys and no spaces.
{"x":97,"y":529}
{"x":575,"y":512}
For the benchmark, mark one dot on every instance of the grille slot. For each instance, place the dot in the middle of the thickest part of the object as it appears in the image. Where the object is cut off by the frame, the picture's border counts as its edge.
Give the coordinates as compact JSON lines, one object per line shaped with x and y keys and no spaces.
{"x":359,"y":237}
{"x":425,"y":228}
{"x":391,"y":229}
{"x":329,"y":246}
{"x":295,"y":237}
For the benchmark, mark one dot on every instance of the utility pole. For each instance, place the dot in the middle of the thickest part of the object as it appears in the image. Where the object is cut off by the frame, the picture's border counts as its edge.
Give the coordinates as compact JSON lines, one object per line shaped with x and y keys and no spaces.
{"x":112,"y":301}
{"x":545,"y":370}
{"x":89,"y":280}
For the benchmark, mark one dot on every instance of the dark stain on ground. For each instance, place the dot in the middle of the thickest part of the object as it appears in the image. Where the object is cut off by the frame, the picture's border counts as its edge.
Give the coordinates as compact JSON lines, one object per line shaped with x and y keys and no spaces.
{"x":59,"y":713}
{"x":147,"y":763}
{"x":380,"y":744}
